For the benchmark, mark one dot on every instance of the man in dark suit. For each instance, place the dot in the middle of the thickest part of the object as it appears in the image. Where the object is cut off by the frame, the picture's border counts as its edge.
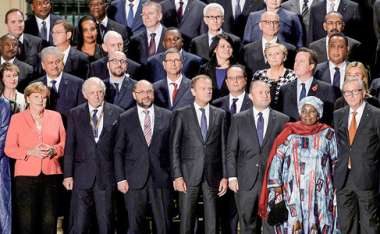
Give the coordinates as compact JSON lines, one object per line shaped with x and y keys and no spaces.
{"x":120,"y":84}
{"x":75,"y":62}
{"x":98,"y":10}
{"x":213,"y":16}
{"x":29,"y":46}
{"x":8,"y":52}
{"x":142,"y":161}
{"x":132,"y":18}
{"x":291,"y":29}
{"x":306,"y":85}
{"x":356,"y":172}
{"x":148,"y":42}
{"x":41,"y":22}
{"x":347,"y":8}
{"x":250,"y":140}
{"x":333,"y":71}
{"x":173,"y":91}
{"x":112,"y":42}
{"x":186,"y":16}
{"x":66,"y":89}
{"x":252,"y":54}
{"x":334,"y":23}
{"x":173,"y":39}
{"x":236,"y":14}
{"x":88,"y":165}
{"x":197,"y":152}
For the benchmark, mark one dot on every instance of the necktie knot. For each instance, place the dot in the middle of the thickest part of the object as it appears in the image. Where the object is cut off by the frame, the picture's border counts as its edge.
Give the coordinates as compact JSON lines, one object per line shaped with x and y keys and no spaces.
{"x":234,"y":100}
{"x":175,"y":85}
{"x":152,"y":35}
{"x":336,"y":68}
{"x":43,"y":22}
{"x":131,"y":4}
{"x":146,"y":112}
{"x":202,"y":110}
{"x":116,"y":86}
{"x":53,"y":85}
{"x":94,"y":112}
{"x":260,"y":114}
{"x":180,"y":3}
{"x":354,"y":113}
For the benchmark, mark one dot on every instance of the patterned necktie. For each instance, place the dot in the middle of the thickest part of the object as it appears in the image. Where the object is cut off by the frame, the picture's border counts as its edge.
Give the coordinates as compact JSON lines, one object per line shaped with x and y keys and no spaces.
{"x":180,"y":10}
{"x":174,"y":93}
{"x":152,"y":45}
{"x":303,"y":91}
{"x":43,"y":31}
{"x":233,"y":108}
{"x":130,"y":18}
{"x":305,"y":8}
{"x":237,"y":9}
{"x":351,"y":134}
{"x":94,"y":120}
{"x":260,"y":128}
{"x":332,"y":5}
{"x":336,"y":80}
{"x":53,"y":86}
{"x":203,"y":124}
{"x":147,"y":127}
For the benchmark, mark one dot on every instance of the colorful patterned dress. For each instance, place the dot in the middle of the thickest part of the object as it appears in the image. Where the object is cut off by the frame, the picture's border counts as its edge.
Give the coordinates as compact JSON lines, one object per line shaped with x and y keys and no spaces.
{"x":302,"y":166}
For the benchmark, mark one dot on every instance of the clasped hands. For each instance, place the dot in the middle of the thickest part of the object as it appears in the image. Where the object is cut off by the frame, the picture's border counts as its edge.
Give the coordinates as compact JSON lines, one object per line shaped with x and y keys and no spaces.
{"x":42,"y":151}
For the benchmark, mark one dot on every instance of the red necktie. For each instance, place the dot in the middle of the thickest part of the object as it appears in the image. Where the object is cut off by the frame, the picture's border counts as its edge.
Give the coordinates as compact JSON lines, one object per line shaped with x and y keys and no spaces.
{"x":152,"y":45}
{"x":174,"y":93}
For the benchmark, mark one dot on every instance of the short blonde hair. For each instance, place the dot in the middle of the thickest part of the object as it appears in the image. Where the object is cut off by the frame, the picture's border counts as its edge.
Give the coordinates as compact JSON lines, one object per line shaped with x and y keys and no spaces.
{"x":363,"y":70}
{"x":36,"y":87}
{"x":274,"y":45}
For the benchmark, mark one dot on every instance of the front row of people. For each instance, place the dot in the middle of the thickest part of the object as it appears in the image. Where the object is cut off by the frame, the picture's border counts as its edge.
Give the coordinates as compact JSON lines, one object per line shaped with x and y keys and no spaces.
{"x":286,"y":172}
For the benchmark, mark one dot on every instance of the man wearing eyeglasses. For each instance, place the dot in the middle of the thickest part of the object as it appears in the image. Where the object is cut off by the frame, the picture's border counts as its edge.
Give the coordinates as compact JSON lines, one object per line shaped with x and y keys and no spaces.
{"x":356,"y":172}
{"x":120,"y":83}
{"x":213,"y":16}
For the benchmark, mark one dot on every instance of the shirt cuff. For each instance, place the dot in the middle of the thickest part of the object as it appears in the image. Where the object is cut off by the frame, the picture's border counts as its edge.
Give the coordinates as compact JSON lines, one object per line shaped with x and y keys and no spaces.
{"x":231,"y":179}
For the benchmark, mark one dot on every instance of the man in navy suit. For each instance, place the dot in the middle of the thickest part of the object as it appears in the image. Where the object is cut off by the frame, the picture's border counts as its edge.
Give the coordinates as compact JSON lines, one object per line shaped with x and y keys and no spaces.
{"x":41,"y":22}
{"x":173,"y":39}
{"x":291,"y":30}
{"x":65,"y":89}
{"x":113,"y":41}
{"x":142,"y":162}
{"x":307,"y":85}
{"x":75,"y":62}
{"x":120,"y":84}
{"x":148,"y":42}
{"x":333,"y":71}
{"x":88,"y":165}
{"x":174,"y":91}
{"x":186,"y":16}
{"x":127,"y":13}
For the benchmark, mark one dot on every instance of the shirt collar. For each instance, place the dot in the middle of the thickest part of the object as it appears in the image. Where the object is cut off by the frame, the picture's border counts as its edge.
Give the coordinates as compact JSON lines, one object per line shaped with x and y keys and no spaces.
{"x":58,"y":79}
{"x":9,"y":61}
{"x":197,"y":107}
{"x":265,"y":111}
{"x":99,"y":108}
{"x":141,"y":110}
{"x":104,"y":21}
{"x":240,"y":97}
{"x":178,"y":81}
{"x":119,"y":81}
{"x":360,"y":109}
{"x":39,"y":20}
{"x":157,"y":31}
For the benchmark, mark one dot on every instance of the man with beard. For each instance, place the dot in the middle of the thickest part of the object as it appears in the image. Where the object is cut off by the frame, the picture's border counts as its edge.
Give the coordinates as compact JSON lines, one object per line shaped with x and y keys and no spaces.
{"x":142,"y":164}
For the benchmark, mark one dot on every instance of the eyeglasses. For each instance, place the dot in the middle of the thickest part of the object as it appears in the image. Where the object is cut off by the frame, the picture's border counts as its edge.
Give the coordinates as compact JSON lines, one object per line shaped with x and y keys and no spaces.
{"x":236,"y":78}
{"x":335,"y":22}
{"x":117,"y":61}
{"x":355,"y":92}
{"x":146,"y":92}
{"x":172,"y":61}
{"x":55,"y":32}
{"x":269,"y":22}
{"x":217,"y":17}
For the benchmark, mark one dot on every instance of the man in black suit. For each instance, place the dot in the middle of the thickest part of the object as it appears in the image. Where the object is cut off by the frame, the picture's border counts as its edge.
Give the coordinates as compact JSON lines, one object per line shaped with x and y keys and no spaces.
{"x":250,"y":140}
{"x":236,"y":14}
{"x":347,"y":8}
{"x":112,"y":42}
{"x":197,"y":151}
{"x":88,"y":164}
{"x":148,"y":42}
{"x":356,"y":172}
{"x":173,"y":91}
{"x":333,"y":71}
{"x":40,"y":23}
{"x":29,"y":46}
{"x":66,"y":89}
{"x":8,"y":52}
{"x":75,"y":62}
{"x":173,"y":39}
{"x":252,"y":54}
{"x":142,"y":161}
{"x":213,"y":16}
{"x":120,"y":84}
{"x":334,"y":23}
{"x":306,"y":85}
{"x":187,"y":16}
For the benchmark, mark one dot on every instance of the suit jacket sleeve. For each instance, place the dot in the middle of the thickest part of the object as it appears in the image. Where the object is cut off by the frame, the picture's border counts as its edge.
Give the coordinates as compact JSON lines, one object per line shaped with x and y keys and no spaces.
{"x":232,"y":148}
{"x":121,"y":142}
{"x":70,"y":146}
{"x":224,"y":144}
{"x":175,"y":146}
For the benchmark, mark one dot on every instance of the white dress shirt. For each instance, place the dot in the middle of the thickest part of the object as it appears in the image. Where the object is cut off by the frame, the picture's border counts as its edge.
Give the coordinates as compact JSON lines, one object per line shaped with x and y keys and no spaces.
{"x":39,"y":24}
{"x":358,"y":116}
{"x":308,"y":4}
{"x":58,"y":81}
{"x":66,"y":54}
{"x":239,"y":102}
{"x":211,"y":36}
{"x":342,"y":70}
{"x":336,"y":5}
{"x":157,"y":37}
{"x":135,"y":6}
{"x":140,"y":112}
{"x":299,"y":87}
{"x":100,"y":117}
{"x":9,"y":61}
{"x":199,"y":113}
{"x":171,"y":87}
{"x":265,"y":116}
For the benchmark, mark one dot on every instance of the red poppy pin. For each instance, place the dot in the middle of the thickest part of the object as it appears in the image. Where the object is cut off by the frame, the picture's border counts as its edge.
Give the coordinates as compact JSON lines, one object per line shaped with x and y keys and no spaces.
{"x":314,"y":88}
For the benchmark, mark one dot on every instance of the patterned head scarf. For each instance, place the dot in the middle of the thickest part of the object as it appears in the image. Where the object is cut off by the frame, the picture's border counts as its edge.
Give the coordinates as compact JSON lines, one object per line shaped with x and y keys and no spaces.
{"x":314,"y":101}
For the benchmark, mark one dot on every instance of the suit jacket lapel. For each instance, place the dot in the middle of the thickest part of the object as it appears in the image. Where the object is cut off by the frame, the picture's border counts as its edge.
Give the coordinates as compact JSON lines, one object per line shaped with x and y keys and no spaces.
{"x":313,"y":88}
{"x":123,"y":90}
{"x":157,"y":121}
{"x":270,"y":126}
{"x":136,"y":122}
{"x":107,"y":117}
{"x":252,"y":125}
{"x":181,"y":91}
{"x":363,"y":121}
{"x":186,"y":13}
{"x":247,"y":103}
{"x":86,"y":126}
{"x":211,"y":122}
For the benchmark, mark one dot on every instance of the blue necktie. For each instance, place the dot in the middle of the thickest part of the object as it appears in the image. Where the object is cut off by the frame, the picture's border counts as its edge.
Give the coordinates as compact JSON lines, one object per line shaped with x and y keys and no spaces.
{"x":43,"y":33}
{"x":336,"y":80}
{"x":94,"y":120}
{"x":260,"y":128}
{"x":53,"y":86}
{"x":237,"y":9}
{"x":303,"y":91}
{"x":203,"y":124}
{"x":117,"y":92}
{"x":233,"y":108}
{"x":130,"y":18}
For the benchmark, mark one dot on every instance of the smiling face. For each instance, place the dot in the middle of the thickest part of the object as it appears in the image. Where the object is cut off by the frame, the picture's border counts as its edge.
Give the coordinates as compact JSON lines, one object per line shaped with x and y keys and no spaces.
{"x":52,"y":65}
{"x":214,"y":19}
{"x":223,"y":50}
{"x":10,"y":79}
{"x":309,"y":115}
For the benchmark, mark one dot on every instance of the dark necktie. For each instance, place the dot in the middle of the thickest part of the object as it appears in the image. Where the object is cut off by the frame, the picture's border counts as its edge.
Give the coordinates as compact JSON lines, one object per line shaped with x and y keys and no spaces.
{"x":336,"y":80}
{"x":117,"y":92}
{"x":233,"y":108}
{"x":305,"y":8}
{"x":203,"y":123}
{"x":237,"y":9}
{"x":94,"y":120}
{"x":43,"y":32}
{"x":147,"y":128}
{"x":303,"y":91}
{"x":54,"y":86}
{"x":130,"y":18}
{"x":180,"y":10}
{"x":102,"y":30}
{"x":174,"y":93}
{"x":21,"y":51}
{"x":152,"y":45}
{"x":260,"y":128}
